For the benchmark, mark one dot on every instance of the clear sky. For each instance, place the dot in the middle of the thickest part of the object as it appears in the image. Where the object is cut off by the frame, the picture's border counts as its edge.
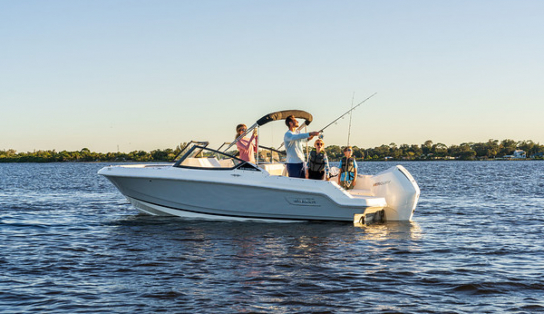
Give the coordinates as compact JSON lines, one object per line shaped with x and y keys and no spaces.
{"x":143,"y":75}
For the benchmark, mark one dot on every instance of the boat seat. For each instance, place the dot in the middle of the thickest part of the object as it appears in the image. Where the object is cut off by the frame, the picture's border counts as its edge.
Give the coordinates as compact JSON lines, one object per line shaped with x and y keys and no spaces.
{"x":192,"y":162}
{"x":226,"y":163}
{"x":214,"y":163}
{"x":202,"y":162}
{"x":274,"y":169}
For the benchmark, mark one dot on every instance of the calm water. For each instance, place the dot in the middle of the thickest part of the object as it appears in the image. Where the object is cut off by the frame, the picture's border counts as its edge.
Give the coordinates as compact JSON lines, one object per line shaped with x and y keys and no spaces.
{"x":70,"y":243}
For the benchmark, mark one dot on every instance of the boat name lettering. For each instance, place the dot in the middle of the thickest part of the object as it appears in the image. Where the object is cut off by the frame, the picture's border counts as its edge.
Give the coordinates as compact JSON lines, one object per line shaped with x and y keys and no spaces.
{"x":382,"y":183}
{"x":302,"y":201}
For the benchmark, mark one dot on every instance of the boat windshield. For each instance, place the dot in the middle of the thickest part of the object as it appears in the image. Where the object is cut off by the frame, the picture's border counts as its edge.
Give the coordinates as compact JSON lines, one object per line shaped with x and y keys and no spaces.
{"x":197,"y":156}
{"x":189,"y":147}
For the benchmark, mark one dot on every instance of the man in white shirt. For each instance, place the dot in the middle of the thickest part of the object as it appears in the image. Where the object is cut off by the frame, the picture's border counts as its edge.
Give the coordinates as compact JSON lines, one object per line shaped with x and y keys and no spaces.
{"x":293,"y":147}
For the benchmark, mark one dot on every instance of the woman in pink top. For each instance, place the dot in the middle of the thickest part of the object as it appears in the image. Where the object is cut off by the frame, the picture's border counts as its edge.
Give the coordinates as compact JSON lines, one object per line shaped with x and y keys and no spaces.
{"x":246,"y":147}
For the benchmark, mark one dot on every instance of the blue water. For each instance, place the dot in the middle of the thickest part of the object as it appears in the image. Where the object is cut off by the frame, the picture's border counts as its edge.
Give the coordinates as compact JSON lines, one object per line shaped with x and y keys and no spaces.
{"x":70,"y":243}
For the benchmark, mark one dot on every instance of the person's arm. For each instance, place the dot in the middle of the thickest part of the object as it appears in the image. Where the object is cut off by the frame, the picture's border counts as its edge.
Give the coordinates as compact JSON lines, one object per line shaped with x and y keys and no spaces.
{"x":253,"y":138}
{"x":242,"y":146}
{"x":312,"y":134}
{"x":340,"y":172}
{"x":355,"y":172}
{"x":327,"y":168}
{"x":289,"y":137}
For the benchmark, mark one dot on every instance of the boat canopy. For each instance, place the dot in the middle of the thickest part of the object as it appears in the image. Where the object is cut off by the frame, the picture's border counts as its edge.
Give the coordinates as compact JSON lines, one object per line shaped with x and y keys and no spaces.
{"x":274,"y":116}
{"x":282,"y":115}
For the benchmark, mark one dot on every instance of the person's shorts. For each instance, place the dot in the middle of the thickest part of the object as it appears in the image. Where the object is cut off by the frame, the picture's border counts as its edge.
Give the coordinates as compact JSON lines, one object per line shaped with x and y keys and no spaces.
{"x":316,"y":175}
{"x":295,"y":170}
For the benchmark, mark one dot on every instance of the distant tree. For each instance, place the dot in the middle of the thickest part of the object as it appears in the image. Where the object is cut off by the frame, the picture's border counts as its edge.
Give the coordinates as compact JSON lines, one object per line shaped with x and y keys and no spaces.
{"x":416,"y":150}
{"x":382,"y":151}
{"x":439,"y":150}
{"x":466,"y":152}
{"x":538,"y":149}
{"x":159,"y":155}
{"x":334,"y":152}
{"x":492,"y":147}
{"x":426,"y":147}
{"x":458,"y":151}
{"x":507,"y":147}
{"x":528,"y":146}
{"x":358,"y":153}
{"x":480,"y":149}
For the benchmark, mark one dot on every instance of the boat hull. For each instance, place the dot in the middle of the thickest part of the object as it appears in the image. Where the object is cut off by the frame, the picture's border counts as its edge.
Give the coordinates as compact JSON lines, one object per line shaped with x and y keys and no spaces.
{"x":157,"y":210}
{"x":238,"y":194}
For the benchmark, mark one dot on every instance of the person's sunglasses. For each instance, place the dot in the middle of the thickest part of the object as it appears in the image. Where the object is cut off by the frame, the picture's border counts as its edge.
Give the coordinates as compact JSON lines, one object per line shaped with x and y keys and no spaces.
{"x":348,"y":150}
{"x":318,"y":144}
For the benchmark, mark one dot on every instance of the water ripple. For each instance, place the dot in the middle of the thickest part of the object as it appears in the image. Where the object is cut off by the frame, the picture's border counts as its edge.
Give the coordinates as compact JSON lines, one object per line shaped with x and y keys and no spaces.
{"x":72,"y":244}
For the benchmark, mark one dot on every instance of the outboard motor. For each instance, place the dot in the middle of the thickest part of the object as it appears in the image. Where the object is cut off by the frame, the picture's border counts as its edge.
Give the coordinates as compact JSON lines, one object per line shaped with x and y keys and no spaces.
{"x":400,"y":191}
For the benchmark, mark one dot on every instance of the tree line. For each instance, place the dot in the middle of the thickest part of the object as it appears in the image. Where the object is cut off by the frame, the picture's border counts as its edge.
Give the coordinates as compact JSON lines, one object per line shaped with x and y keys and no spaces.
{"x":491,"y":149}
{"x":85,"y":155}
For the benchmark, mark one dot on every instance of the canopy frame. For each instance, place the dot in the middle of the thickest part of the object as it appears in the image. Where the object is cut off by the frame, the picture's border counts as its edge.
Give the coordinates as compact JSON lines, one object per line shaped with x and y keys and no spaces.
{"x":274,"y":116}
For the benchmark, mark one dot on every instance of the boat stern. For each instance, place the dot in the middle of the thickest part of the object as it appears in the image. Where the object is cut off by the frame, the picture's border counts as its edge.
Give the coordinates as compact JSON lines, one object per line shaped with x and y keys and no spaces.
{"x":400,"y":191}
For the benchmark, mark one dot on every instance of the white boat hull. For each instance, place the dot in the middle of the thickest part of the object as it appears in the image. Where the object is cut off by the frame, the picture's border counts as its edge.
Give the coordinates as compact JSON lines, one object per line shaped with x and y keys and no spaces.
{"x":156,"y":210}
{"x":257,"y":195}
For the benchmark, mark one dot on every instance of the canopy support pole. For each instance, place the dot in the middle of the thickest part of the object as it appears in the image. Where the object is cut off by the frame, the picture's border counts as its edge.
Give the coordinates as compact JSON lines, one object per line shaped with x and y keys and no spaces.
{"x":257,"y":146}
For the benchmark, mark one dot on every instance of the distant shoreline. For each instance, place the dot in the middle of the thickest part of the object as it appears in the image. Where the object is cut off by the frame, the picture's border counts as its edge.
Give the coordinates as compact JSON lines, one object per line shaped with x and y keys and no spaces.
{"x":508,"y":150}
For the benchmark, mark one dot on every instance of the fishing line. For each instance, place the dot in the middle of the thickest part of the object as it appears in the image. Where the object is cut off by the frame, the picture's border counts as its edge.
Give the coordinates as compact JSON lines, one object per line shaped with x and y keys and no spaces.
{"x":350,"y":115}
{"x":340,"y":117}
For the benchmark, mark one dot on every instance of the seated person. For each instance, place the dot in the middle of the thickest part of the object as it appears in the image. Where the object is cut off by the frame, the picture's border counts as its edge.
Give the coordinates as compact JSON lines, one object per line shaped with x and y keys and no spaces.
{"x":347,"y":176}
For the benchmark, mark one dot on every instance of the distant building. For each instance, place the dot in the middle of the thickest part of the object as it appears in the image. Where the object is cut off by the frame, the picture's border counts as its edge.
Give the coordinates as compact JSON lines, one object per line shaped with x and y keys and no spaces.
{"x":518,"y":154}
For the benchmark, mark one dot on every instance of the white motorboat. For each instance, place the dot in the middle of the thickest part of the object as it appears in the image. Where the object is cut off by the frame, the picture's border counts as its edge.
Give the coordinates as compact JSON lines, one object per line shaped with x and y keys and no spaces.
{"x":213,"y":184}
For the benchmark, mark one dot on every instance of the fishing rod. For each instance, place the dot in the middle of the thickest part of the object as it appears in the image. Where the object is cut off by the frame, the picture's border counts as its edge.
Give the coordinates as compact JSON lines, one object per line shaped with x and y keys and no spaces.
{"x":353,"y":108}
{"x":350,"y":116}
{"x":340,"y":117}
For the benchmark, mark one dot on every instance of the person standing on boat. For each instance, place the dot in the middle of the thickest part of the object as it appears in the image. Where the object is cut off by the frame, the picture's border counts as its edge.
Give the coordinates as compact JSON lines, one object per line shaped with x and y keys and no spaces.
{"x":318,"y":163}
{"x":246,"y":147}
{"x":347,"y":177}
{"x":293,"y":147}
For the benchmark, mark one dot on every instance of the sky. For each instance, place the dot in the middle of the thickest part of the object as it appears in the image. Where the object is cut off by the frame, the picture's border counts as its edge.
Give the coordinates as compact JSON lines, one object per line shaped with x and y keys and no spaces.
{"x":112,"y":75}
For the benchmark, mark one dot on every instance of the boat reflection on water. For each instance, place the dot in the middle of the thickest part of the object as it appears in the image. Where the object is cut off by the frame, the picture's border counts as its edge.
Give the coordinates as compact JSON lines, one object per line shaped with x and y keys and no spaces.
{"x":399,"y":230}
